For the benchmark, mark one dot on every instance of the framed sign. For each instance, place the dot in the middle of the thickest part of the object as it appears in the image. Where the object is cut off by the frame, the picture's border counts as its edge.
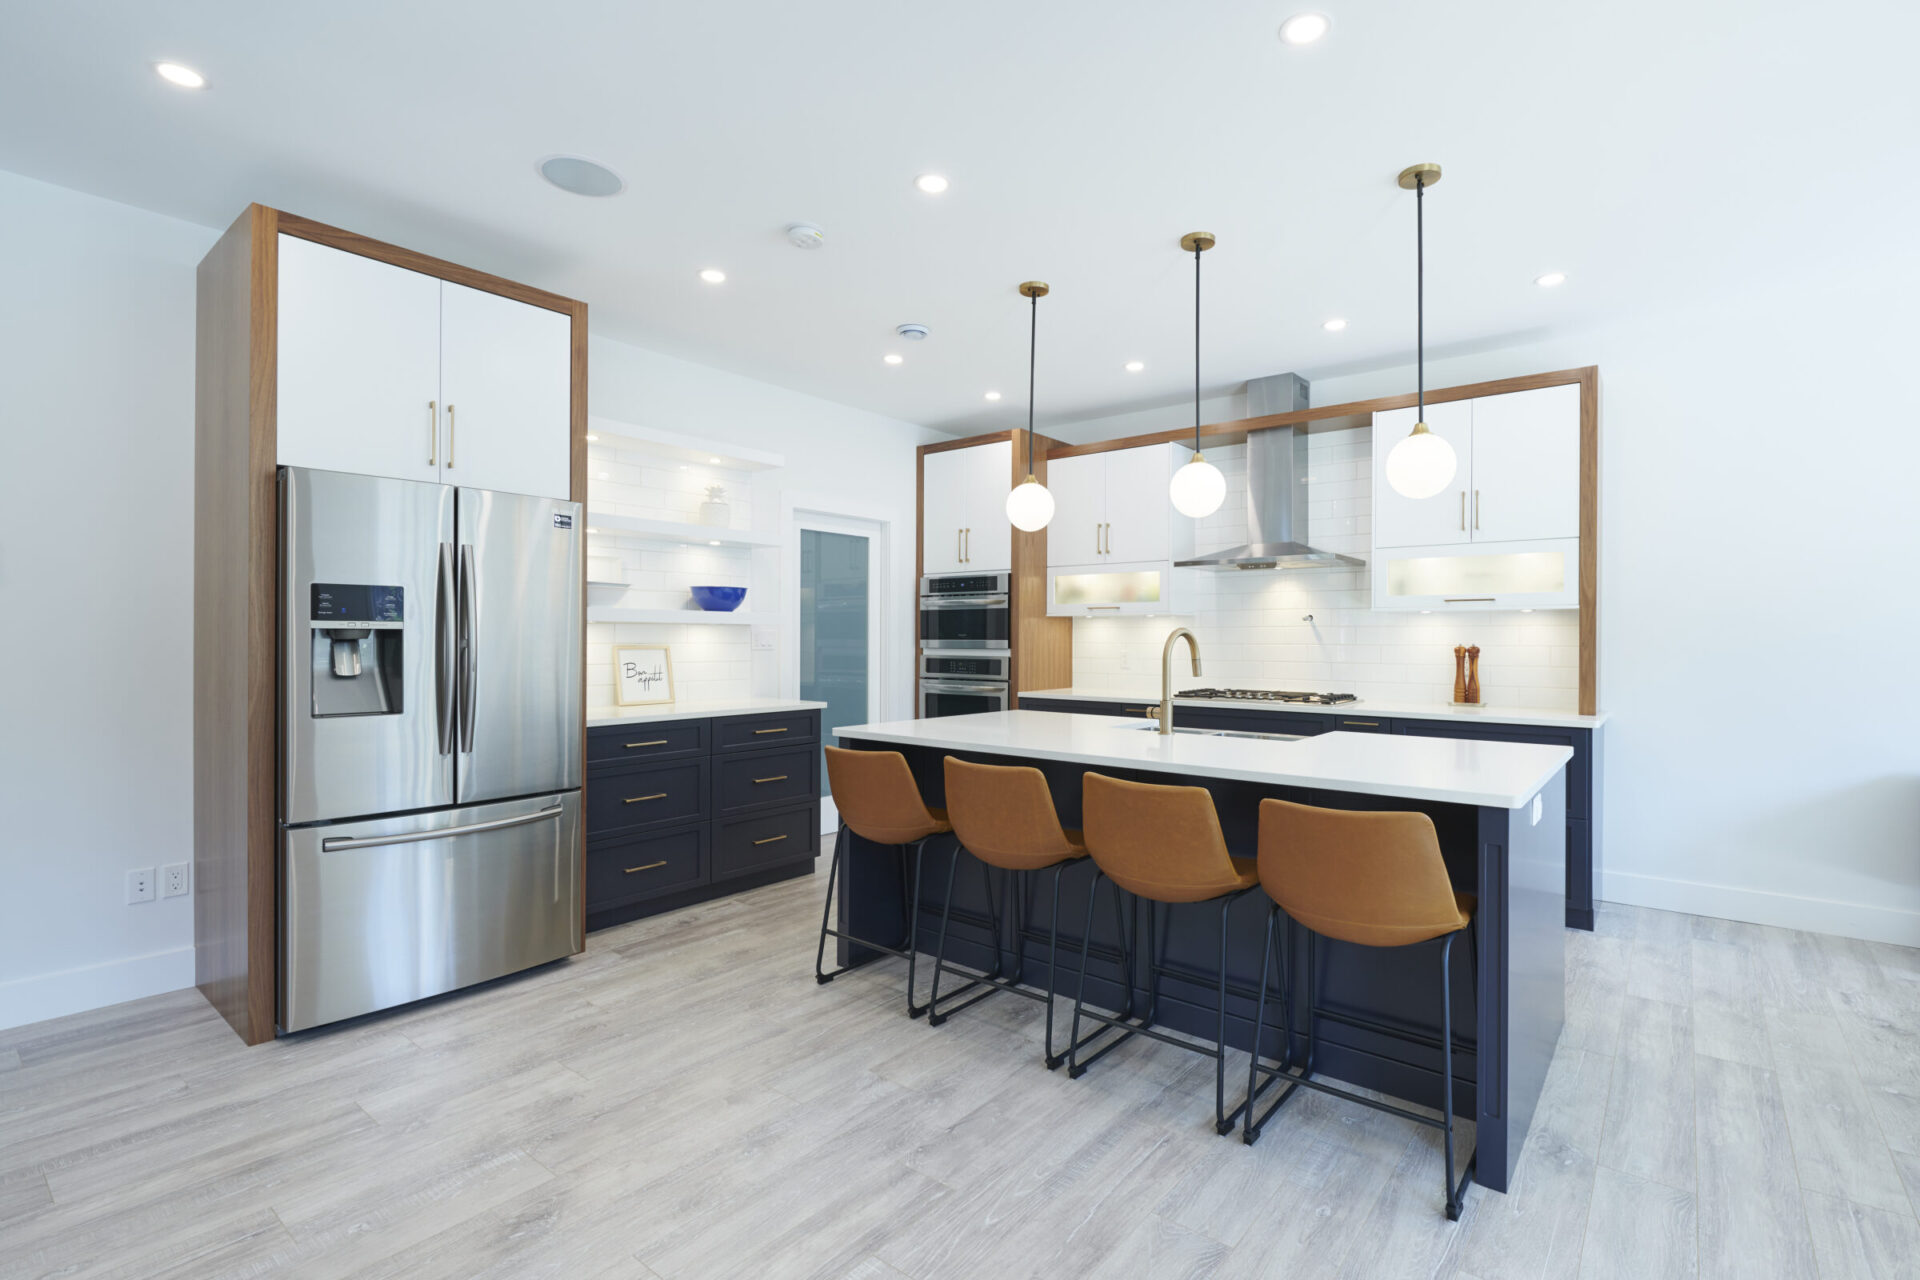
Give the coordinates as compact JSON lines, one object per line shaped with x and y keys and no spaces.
{"x":642,"y":674}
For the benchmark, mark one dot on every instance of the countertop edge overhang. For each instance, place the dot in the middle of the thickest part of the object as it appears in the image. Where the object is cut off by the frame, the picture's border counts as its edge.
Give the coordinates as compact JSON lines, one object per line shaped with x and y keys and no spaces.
{"x":1501,"y":775}
{"x":1492,"y":714}
{"x":702,"y":711}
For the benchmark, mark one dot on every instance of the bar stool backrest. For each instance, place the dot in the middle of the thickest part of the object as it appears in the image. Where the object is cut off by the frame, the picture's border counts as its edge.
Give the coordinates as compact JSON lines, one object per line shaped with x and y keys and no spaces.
{"x":1004,"y":815}
{"x":1162,"y":843}
{"x":877,"y":796}
{"x":1376,"y":879}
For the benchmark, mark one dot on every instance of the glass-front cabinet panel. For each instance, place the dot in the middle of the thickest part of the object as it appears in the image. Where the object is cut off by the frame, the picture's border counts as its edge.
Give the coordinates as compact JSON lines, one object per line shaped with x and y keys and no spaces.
{"x":1535,"y":574}
{"x":1098,"y":590}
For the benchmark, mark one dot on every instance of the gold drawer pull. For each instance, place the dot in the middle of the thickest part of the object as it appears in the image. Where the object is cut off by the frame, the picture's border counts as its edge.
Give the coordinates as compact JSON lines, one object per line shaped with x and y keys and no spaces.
{"x":769,"y":730}
{"x":770,"y":840}
{"x":658,"y":795}
{"x":657,"y":742}
{"x":778,"y":777}
{"x":650,"y":866}
{"x":1365,"y":724}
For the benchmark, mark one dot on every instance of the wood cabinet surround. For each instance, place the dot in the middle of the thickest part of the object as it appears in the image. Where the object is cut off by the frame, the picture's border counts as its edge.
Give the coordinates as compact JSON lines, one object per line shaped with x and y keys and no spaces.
{"x":236,"y":586}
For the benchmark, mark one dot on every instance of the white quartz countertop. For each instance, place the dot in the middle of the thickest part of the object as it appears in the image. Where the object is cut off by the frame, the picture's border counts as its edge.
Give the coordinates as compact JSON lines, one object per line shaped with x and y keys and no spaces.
{"x":1503,"y":775}
{"x":701,"y":711}
{"x":1495,"y":714}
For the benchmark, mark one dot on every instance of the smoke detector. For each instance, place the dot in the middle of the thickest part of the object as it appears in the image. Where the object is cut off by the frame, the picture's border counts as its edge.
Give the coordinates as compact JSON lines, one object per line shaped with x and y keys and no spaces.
{"x":804,"y":235}
{"x":911,"y":332}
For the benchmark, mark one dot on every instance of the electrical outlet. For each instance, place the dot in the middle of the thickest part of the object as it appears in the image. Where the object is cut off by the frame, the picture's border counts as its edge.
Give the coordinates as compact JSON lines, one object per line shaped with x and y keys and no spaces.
{"x":175,"y":879}
{"x":140,"y":885}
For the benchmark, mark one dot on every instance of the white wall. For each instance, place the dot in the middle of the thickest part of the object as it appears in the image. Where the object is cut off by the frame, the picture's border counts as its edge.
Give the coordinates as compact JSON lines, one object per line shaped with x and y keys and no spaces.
{"x":96,"y":560}
{"x":838,"y":458}
{"x":1759,"y":617}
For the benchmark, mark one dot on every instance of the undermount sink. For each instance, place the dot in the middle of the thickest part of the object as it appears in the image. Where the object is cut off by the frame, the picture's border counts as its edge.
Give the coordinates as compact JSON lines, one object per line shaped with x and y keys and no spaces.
{"x":1218,"y":733}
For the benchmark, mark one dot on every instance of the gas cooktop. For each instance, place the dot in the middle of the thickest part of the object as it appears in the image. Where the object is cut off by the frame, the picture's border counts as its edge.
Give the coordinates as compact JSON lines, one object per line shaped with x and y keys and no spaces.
{"x":1271,"y":695}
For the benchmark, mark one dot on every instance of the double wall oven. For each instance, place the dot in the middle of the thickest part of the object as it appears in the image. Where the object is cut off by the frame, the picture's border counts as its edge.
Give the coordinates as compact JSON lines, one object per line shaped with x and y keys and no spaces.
{"x":965,"y":643}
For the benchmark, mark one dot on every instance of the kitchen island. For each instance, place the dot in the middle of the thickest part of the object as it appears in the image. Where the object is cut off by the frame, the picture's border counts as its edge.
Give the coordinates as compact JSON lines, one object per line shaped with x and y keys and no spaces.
{"x":1499,"y":810}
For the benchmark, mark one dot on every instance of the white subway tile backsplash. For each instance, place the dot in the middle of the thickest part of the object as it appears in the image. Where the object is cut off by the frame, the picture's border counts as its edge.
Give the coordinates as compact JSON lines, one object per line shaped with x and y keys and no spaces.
{"x":1252,"y":628}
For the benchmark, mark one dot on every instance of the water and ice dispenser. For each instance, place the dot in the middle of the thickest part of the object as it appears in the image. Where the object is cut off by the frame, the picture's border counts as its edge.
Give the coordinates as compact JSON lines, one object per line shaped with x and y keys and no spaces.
{"x":358,"y":634}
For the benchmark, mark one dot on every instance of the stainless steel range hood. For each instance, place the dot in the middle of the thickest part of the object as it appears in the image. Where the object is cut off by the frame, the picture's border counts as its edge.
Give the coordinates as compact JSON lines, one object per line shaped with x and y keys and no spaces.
{"x":1277,"y":528}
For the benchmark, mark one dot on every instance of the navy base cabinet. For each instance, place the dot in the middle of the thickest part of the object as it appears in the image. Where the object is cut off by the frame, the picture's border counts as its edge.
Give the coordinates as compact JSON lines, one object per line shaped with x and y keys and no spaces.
{"x":681,"y":811}
{"x":1583,"y":771}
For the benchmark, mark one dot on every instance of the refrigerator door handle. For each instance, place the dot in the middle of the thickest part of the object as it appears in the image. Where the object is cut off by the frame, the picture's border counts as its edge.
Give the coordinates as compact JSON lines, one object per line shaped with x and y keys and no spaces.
{"x":334,"y":843}
{"x":448,"y":653}
{"x":469,"y":660}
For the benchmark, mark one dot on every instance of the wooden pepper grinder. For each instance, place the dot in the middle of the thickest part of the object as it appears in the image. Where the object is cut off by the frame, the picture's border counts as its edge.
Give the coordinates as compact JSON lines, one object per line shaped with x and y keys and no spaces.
{"x":1473,"y":674}
{"x":1459,"y":673}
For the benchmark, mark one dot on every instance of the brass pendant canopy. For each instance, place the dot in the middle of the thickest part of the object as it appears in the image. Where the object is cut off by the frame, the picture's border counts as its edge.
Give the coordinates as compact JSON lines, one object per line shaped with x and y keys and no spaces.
{"x":1197,"y":241}
{"x":1034,"y":289}
{"x":1419,"y":175}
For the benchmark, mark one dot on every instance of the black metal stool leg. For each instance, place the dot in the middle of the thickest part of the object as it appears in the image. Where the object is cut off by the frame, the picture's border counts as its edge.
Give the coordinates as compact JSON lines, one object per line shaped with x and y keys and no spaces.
{"x":1222,"y":1122}
{"x":1446,"y":1071}
{"x":940,"y":952}
{"x":913,"y":924}
{"x":1053,"y":965}
{"x":820,"y":974}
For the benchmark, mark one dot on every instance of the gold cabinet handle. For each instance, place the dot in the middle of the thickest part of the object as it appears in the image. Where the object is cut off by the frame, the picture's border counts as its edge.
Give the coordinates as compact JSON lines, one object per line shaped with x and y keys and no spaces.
{"x":966,"y":543}
{"x":433,"y":432}
{"x":658,"y":795}
{"x":959,"y":555}
{"x":770,"y":840}
{"x":769,"y":730}
{"x":1476,"y":509}
{"x":1463,"y":511}
{"x":778,"y":777}
{"x":1364,"y":724}
{"x":650,"y":866}
{"x":449,"y":434}
{"x":655,"y":742}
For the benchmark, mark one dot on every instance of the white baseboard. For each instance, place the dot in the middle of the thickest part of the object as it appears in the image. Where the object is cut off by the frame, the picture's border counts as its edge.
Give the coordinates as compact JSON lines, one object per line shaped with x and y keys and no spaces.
{"x":1758,"y":906}
{"x":94,"y":986}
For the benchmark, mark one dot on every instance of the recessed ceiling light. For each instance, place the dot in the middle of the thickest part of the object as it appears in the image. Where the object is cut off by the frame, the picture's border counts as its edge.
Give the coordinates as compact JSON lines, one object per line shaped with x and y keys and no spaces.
{"x":1304,"y":28}
{"x":891,"y":358}
{"x":931,"y":183}
{"x":713,"y":275}
{"x":582,"y":177}
{"x":185,"y":77}
{"x":1334,"y":325}
{"x":1135,"y":366}
{"x":1551,"y":279}
{"x":993,"y":395}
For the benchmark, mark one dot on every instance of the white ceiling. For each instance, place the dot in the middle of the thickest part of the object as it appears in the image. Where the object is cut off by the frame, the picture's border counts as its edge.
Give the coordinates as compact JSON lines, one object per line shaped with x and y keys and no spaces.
{"x":1651,"y":149}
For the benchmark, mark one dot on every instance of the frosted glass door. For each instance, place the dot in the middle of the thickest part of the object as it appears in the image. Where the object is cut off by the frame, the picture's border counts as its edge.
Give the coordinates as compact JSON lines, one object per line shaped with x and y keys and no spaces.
{"x":835,"y":599}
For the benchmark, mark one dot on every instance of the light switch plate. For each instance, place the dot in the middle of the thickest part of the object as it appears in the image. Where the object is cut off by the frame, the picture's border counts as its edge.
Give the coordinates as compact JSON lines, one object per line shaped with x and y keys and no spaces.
{"x":764,"y":637}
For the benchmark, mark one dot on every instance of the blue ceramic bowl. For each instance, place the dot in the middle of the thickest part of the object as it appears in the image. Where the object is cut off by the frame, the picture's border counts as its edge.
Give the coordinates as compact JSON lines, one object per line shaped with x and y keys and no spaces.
{"x":719,"y":599}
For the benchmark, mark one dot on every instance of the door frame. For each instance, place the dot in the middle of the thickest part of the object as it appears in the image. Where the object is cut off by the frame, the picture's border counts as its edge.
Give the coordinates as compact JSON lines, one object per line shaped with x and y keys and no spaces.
{"x":826,"y":513}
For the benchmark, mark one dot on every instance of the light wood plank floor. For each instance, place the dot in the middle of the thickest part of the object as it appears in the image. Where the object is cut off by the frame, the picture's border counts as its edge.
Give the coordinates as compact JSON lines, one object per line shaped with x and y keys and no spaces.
{"x":683,"y":1101}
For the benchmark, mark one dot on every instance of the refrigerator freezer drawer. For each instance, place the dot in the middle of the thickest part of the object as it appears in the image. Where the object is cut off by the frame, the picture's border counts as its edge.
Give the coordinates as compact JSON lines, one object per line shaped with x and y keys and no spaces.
{"x":379,"y":913}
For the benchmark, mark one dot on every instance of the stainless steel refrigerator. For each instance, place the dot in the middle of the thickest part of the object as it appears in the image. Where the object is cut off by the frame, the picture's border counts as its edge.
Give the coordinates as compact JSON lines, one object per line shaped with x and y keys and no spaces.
{"x":429,"y":706}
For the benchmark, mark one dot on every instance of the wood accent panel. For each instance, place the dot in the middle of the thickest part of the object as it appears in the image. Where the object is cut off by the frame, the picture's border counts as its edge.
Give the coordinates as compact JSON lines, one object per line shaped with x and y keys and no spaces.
{"x":1042,"y":646}
{"x":968,"y":442}
{"x":577,"y":492}
{"x":367,"y":247}
{"x":1589,"y":541}
{"x":236,"y":557}
{"x":1308,"y":417}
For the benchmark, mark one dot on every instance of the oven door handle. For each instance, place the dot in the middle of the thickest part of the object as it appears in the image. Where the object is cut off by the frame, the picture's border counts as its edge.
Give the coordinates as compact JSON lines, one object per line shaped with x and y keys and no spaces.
{"x":963,"y":602}
{"x":951,"y":686}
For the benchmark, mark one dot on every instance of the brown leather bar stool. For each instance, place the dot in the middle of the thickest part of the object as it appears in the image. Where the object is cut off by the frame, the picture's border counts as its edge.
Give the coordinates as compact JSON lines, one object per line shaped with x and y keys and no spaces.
{"x":1374,"y":880}
{"x":1004,"y":816}
{"x":879,"y":801}
{"x":1164,"y":845}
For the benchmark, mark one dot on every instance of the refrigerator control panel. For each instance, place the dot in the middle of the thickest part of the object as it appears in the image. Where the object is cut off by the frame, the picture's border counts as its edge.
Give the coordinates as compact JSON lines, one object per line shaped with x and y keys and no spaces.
{"x":353,"y":604}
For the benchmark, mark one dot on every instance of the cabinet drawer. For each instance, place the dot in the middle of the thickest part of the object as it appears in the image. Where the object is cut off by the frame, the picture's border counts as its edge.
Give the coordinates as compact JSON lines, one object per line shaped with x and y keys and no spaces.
{"x":658,"y":796}
{"x":745,"y":733}
{"x":741,"y":845}
{"x":766,"y":779}
{"x":647,"y":866}
{"x":648,"y":741}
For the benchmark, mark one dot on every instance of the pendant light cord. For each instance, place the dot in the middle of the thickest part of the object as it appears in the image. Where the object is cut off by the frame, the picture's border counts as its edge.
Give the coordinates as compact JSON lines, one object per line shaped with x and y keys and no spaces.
{"x":1196,"y":348}
{"x":1420,"y":289}
{"x":1033,"y":345}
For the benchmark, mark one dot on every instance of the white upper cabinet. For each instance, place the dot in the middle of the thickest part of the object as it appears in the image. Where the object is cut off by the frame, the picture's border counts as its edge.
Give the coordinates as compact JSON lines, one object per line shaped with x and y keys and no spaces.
{"x":359,"y":367}
{"x":1505,"y":534}
{"x":1079,"y":488}
{"x":963,"y":525}
{"x":1526,"y":465}
{"x":389,"y":372}
{"x":506,"y":382}
{"x":1424,"y":522}
{"x":1138,"y":507}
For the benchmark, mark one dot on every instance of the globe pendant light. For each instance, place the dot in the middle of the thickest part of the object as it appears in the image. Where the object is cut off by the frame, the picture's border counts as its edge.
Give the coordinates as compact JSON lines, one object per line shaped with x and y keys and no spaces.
{"x":1198,"y":488}
{"x":1422,"y":464}
{"x":1030,"y":506}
